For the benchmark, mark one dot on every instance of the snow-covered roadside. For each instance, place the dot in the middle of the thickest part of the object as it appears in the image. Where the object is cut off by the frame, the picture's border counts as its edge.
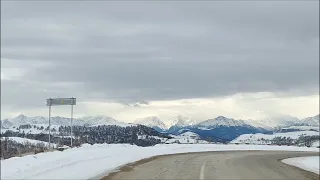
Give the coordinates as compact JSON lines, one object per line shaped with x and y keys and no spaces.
{"x":310,"y":163}
{"x":32,"y":141}
{"x":94,"y":161}
{"x":257,"y":138}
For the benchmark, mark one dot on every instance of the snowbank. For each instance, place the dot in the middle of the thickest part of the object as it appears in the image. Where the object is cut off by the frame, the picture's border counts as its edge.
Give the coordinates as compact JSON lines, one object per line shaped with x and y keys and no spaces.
{"x":95,"y":161}
{"x":310,"y":163}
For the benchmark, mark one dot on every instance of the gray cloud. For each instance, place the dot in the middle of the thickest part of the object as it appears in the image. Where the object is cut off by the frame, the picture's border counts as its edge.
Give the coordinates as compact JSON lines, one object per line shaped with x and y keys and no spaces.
{"x":140,"y":104}
{"x":133,"y":51}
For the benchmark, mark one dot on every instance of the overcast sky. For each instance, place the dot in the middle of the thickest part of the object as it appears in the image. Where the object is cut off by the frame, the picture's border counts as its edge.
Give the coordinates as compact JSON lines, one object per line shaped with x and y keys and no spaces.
{"x":128,"y":60}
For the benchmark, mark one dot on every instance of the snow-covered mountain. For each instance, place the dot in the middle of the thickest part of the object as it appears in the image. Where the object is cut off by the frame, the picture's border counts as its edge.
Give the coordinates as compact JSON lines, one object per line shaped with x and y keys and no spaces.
{"x":61,"y":121}
{"x":278,"y":121}
{"x":5,"y":124}
{"x":100,"y":120}
{"x":219,"y":129}
{"x":19,"y":120}
{"x":222,"y":121}
{"x":57,"y":120}
{"x":258,"y":124}
{"x":310,"y":121}
{"x":151,"y":121}
{"x":284,"y":121}
{"x":180,"y":121}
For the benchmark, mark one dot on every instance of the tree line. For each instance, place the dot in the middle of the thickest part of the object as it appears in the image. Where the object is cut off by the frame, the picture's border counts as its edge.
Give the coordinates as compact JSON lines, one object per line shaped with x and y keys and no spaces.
{"x":95,"y":134}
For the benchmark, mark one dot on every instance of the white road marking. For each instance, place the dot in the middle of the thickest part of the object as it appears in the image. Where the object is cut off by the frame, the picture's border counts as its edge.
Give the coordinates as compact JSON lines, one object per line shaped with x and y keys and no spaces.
{"x":202,"y":170}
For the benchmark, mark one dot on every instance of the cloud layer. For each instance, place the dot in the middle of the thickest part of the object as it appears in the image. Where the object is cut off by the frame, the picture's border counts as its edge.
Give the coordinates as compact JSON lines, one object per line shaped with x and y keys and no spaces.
{"x":140,"y":52}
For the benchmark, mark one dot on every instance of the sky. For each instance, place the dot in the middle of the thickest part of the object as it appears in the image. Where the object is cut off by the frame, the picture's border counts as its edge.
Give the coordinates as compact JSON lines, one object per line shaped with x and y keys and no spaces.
{"x":130,"y":60}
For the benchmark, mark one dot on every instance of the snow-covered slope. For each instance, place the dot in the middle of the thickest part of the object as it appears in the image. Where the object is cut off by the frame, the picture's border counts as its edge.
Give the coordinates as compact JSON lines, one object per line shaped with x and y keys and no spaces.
{"x":310,"y":121}
{"x":5,"y":124}
{"x":180,"y":121}
{"x":151,"y":121}
{"x":257,"y":138}
{"x":35,"y":129}
{"x":21,"y":119}
{"x":278,"y":121}
{"x":258,"y":124}
{"x":285,"y":121}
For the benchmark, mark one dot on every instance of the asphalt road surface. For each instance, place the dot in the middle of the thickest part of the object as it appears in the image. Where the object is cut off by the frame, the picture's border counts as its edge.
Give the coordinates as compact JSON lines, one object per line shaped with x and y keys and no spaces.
{"x":244,"y":165}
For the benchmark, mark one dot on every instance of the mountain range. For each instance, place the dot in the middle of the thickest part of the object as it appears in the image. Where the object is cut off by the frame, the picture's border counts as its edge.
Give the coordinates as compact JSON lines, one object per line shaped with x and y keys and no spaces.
{"x":226,"y":128}
{"x":62,"y":121}
{"x":219,"y":128}
{"x":309,"y":121}
{"x":267,"y":123}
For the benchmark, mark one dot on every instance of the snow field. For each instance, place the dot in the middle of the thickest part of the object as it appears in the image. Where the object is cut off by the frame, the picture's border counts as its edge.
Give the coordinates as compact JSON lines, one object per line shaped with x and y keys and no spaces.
{"x":33,"y":130}
{"x":253,"y":138}
{"x":95,"y":161}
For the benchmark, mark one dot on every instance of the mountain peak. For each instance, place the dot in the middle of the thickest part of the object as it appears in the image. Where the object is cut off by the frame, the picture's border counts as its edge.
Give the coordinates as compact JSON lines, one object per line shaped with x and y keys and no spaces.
{"x":180,"y":121}
{"x":101,"y":116}
{"x":221,"y":121}
{"x":151,"y":121}
{"x":281,"y":120}
{"x":21,"y":116}
{"x":20,"y":119}
{"x":310,"y":121}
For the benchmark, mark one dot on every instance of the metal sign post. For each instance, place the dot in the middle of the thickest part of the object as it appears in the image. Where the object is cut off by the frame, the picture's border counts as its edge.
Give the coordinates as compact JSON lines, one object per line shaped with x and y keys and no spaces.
{"x":71,"y":123}
{"x":60,"y":102}
{"x":49,"y":126}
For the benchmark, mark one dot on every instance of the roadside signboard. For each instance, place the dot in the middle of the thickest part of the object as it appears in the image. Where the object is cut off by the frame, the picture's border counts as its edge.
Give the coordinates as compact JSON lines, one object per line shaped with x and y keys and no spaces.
{"x":60,"y":102}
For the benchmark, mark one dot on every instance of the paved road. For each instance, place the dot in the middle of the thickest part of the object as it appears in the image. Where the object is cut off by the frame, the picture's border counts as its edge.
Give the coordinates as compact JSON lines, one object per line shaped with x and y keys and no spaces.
{"x":217,"y":165}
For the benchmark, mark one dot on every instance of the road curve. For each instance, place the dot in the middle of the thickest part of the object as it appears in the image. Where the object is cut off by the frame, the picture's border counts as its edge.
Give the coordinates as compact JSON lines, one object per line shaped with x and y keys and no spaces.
{"x":217,"y":165}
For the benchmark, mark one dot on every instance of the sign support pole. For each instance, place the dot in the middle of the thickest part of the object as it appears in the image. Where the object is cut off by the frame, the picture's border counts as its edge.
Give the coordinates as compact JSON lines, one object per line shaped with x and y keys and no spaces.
{"x":71,"y":123}
{"x":49,"y":126}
